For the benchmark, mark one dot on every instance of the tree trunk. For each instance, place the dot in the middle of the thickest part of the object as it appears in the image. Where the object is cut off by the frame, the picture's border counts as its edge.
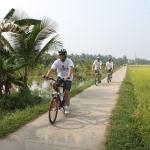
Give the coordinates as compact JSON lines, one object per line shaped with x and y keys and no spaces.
{"x":25,"y":77}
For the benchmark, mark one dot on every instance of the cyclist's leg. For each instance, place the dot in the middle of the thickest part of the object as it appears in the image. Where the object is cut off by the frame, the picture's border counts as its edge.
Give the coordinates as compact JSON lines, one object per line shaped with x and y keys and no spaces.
{"x":67,"y":87}
{"x":55,"y":86}
{"x":111,"y":75}
{"x":108,"y":75}
{"x":67,"y":97}
{"x":96,"y":75}
{"x":100,"y":76}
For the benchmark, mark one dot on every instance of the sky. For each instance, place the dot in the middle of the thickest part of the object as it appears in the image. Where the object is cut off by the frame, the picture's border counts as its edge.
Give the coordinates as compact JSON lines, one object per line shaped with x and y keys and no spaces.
{"x":106,"y":27}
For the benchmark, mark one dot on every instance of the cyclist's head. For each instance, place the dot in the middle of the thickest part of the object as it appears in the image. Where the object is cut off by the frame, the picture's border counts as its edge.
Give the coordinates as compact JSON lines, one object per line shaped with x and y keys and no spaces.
{"x":62,"y":54}
{"x":62,"y":51}
{"x":98,"y":58}
{"x":110,"y":59}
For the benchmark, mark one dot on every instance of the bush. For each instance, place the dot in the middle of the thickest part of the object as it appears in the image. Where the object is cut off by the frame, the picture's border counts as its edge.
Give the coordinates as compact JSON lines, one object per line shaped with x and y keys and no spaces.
{"x":19,"y":101}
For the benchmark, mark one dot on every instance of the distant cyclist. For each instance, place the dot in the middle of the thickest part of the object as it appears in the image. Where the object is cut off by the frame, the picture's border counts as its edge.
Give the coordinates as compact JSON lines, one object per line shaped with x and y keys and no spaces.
{"x":64,"y":67}
{"x":109,"y":66}
{"x":96,"y":67}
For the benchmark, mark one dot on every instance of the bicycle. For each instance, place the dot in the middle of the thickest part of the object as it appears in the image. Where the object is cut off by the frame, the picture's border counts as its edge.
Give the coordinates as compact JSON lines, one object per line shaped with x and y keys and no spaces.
{"x":97,"y":80}
{"x":109,"y":76}
{"x":57,"y":100}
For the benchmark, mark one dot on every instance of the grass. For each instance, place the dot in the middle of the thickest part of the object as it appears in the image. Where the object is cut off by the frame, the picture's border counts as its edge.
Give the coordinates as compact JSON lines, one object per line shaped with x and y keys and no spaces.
{"x":14,"y":120}
{"x":141,"y":80}
{"x":130,"y":124}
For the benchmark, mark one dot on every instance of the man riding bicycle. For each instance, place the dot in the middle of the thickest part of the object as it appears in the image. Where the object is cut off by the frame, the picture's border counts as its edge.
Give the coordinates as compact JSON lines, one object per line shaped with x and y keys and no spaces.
{"x":96,"y":67}
{"x":64,"y":67}
{"x":109,"y":66}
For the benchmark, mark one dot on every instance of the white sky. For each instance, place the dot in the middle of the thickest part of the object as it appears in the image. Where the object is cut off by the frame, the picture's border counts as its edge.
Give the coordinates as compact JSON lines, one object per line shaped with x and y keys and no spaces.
{"x":115,"y":27}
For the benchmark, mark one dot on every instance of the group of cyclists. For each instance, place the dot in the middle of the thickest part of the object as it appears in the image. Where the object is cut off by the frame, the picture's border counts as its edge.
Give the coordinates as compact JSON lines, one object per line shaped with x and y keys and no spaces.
{"x":97,"y":68}
{"x":64,"y":68}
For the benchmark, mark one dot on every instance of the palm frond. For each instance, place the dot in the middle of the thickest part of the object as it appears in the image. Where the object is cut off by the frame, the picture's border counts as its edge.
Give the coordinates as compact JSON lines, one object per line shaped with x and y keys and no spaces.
{"x":18,"y":67}
{"x":13,"y":39}
{"x":6,"y":44}
{"x":19,"y":15}
{"x":10,"y":14}
{"x":11,"y":27}
{"x":50,"y":24}
{"x":27,"y":22}
{"x":47,"y":30}
{"x":53,"y":43}
{"x":31,"y":36}
{"x":4,"y":53}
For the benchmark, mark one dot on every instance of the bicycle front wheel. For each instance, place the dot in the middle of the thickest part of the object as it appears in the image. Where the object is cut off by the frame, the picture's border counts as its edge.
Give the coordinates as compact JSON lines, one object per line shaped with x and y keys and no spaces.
{"x":53,"y":109}
{"x":96,"y":80}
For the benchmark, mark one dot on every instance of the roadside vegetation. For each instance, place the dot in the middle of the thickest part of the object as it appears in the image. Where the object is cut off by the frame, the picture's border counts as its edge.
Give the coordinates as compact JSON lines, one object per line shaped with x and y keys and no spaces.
{"x":130,"y":125}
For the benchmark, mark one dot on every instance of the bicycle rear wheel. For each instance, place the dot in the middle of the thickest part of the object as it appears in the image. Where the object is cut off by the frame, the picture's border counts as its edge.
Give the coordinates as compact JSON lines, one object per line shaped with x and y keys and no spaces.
{"x":53,"y":109}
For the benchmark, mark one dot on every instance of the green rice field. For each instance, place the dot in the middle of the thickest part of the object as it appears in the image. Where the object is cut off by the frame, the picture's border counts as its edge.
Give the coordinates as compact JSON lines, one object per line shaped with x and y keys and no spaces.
{"x":130,"y":125}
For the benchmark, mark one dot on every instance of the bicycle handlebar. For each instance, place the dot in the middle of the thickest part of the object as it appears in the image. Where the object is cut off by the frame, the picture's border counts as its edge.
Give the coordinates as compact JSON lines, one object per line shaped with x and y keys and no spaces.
{"x":50,"y":78}
{"x":54,"y":78}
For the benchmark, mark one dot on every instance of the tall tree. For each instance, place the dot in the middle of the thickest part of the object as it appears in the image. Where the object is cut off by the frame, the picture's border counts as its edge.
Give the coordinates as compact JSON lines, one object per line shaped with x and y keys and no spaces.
{"x":28,"y":33}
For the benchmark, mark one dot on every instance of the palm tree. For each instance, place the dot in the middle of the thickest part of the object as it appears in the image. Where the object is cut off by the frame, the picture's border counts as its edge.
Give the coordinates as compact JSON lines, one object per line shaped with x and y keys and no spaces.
{"x":29,"y":46}
{"x":14,"y":23}
{"x":21,"y":27}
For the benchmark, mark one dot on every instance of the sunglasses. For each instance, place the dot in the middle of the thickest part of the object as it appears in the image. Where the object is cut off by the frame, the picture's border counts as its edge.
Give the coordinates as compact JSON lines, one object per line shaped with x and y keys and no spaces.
{"x":61,"y":54}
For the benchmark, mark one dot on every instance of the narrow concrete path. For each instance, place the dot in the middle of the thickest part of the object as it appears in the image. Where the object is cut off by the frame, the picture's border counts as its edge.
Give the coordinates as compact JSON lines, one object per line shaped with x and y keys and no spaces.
{"x":84,"y":129}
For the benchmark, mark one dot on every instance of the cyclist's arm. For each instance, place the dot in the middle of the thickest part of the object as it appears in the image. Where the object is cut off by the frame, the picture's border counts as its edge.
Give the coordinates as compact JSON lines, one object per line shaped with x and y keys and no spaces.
{"x":49,"y":72}
{"x":70,"y":72}
{"x":93,"y":66}
{"x":112,"y":66}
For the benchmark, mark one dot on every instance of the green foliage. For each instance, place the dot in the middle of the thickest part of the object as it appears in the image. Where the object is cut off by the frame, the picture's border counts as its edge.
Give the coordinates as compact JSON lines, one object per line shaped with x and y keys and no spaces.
{"x":19,"y":101}
{"x":14,"y":120}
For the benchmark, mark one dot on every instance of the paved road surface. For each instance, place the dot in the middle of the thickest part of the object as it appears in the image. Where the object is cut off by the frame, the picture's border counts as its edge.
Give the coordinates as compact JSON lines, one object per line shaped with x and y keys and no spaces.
{"x":84,"y":129}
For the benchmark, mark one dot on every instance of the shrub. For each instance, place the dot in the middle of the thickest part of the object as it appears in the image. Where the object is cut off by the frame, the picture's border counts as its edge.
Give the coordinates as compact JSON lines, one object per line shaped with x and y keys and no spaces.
{"x":19,"y":101}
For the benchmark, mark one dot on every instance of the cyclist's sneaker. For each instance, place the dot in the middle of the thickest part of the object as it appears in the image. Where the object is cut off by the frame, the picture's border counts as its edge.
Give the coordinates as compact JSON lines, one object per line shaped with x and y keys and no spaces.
{"x":67,"y":110}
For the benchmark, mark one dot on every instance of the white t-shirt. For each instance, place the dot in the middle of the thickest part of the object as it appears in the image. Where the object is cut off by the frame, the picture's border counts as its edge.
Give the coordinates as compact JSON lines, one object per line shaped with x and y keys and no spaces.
{"x":62,"y":67}
{"x":109,"y":65}
{"x":97,"y":65}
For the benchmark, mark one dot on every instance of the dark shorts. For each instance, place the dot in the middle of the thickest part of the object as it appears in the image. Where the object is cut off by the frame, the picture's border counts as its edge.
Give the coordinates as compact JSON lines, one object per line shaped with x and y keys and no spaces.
{"x":109,"y":70}
{"x":97,"y":72}
{"x":67,"y":85}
